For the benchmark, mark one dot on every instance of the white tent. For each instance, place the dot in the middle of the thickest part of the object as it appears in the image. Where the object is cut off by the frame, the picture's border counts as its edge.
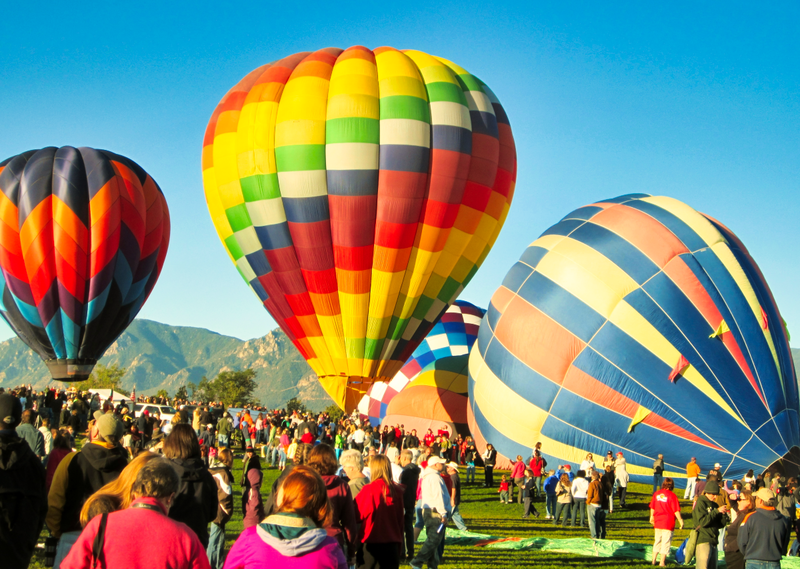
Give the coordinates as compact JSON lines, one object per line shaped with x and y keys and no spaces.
{"x":105,"y":394}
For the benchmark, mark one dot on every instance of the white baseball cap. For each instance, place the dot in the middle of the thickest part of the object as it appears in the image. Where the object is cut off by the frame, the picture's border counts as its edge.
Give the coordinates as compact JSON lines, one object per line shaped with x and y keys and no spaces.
{"x":436,"y":460}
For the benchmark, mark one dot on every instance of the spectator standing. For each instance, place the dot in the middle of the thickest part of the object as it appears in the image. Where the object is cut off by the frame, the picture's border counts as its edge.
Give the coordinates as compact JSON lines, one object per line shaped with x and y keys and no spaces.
{"x":220,"y":469}
{"x":538,"y":465}
{"x":489,"y":460}
{"x":23,"y":503}
{"x":563,"y":499}
{"x":435,"y":504}
{"x":252,"y":477}
{"x":664,"y":510}
{"x":455,"y":515}
{"x":734,"y":559}
{"x":658,"y":472}
{"x":380,"y":514}
{"x":224,"y":428}
{"x":353,"y":466}
{"x":692,"y":473}
{"x":596,"y":504}
{"x":294,"y":534}
{"x":550,"y":484}
{"x":708,"y":518}
{"x":528,"y":489}
{"x":580,"y":488}
{"x":31,"y":434}
{"x":172,"y":544}
{"x":470,"y":454}
{"x":518,"y":476}
{"x":622,"y":478}
{"x":765,"y":533}
{"x":409,"y":478}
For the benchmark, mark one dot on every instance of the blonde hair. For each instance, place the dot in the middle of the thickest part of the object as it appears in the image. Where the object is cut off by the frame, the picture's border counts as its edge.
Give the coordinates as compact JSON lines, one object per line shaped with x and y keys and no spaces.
{"x":118,"y":491}
{"x":381,"y":469}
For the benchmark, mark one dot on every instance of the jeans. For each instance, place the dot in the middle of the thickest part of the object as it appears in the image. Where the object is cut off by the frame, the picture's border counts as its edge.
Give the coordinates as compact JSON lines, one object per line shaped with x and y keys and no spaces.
{"x":756,"y":564}
{"x":550,"y":505}
{"x":223,"y":441}
{"x":561,"y":507}
{"x":580,"y":504}
{"x":537,"y":484}
{"x":471,"y":473}
{"x":427,"y":553}
{"x":408,"y":529}
{"x":623,"y":492}
{"x":488,"y":472}
{"x":597,"y":522}
{"x":705,"y":556}
{"x":527,"y":507}
{"x":657,"y":479}
{"x":216,"y":546}
{"x":455,"y":515}
{"x":65,"y":543}
{"x":691,"y":483}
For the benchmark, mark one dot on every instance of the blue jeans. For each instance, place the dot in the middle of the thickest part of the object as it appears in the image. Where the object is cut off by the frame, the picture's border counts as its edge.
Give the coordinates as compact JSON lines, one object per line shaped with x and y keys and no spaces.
{"x":223,"y":441}
{"x":470,"y":473}
{"x":457,"y":519}
{"x":550,"y":505}
{"x":579,"y":505}
{"x":216,"y":546}
{"x":597,"y":522}
{"x":755,"y":564}
{"x":657,"y":479}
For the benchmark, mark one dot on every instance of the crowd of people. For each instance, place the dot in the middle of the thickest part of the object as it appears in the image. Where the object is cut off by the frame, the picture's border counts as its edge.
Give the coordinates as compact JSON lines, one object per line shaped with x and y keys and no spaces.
{"x":346,"y":494}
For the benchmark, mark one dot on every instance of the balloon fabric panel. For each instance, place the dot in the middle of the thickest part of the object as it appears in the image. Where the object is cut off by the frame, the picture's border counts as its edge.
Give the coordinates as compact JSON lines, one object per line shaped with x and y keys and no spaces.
{"x":358,"y":191}
{"x":614,"y":300}
{"x":84,"y":236}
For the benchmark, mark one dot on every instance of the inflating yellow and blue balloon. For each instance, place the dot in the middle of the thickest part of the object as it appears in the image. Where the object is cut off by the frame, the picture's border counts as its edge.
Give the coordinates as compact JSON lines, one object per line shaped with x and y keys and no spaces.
{"x":358,"y":191}
{"x":637,"y":324}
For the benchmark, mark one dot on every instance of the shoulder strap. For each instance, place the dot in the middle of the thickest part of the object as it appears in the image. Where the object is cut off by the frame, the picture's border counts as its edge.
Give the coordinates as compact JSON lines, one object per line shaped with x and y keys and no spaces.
{"x":99,"y":539}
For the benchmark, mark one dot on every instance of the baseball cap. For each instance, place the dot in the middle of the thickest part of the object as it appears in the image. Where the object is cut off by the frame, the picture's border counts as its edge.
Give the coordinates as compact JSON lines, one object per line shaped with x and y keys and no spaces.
{"x":765,"y":494}
{"x":717,"y":465}
{"x":10,"y":410}
{"x":619,"y":453}
{"x":210,"y":426}
{"x":108,"y":426}
{"x":97,"y":414}
{"x":436,"y":460}
{"x":452,"y":465}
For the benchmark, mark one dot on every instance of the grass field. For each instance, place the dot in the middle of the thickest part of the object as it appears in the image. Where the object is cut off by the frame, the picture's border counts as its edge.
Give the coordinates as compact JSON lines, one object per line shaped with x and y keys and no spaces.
{"x":483,"y":513}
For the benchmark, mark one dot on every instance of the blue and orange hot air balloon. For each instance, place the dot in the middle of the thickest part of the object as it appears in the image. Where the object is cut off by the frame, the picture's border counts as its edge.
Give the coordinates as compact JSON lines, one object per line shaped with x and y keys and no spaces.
{"x":358,"y":191}
{"x":83,"y":237}
{"x":638,"y":325}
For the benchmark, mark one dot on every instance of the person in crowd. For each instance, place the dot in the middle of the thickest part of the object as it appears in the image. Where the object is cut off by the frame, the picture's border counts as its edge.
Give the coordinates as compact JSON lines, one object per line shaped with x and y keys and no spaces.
{"x":47,"y":435}
{"x":564,"y":499}
{"x":380,"y":515}
{"x":709,"y":519}
{"x":470,"y":454}
{"x":342,"y":525}
{"x":435,"y":505}
{"x":489,"y":461}
{"x":658,"y":472}
{"x":664,"y":510}
{"x":117,"y":493}
{"x":116,"y":539}
{"x":294,"y":536}
{"x":596,"y":502}
{"x":588,"y":464}
{"x":21,"y":474}
{"x":61,"y":449}
{"x":78,"y":476}
{"x":409,"y":479}
{"x":224,"y":429}
{"x":31,"y":434}
{"x":608,"y":460}
{"x":786,"y":499}
{"x":579,"y":489}
{"x":220,"y":469}
{"x":765,"y":533}
{"x":537,"y":465}
{"x":745,"y":503}
{"x":411,"y":440}
{"x":528,"y":490}
{"x":518,"y":476}
{"x":353,"y":466}
{"x":252,"y":477}
{"x":550,"y":484}
{"x":692,"y":473}
{"x":455,"y":515}
{"x":195,"y":503}
{"x":622,"y":478}
{"x":503,"y":490}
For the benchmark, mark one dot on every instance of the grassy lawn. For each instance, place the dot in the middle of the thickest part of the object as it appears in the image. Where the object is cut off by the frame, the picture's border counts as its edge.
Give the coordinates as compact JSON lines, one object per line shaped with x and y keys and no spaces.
{"x":483,"y":513}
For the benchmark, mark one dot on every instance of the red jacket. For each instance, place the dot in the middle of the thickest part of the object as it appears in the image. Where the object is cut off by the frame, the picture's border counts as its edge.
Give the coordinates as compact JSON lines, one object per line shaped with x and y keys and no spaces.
{"x":381,"y":519}
{"x":126,"y":544}
{"x":536,"y":464}
{"x":343,"y":522}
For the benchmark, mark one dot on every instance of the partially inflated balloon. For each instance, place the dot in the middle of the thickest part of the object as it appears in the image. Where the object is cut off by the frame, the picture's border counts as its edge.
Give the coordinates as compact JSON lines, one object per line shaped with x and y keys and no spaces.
{"x":358,"y":192}
{"x":83,"y":237}
{"x":437,"y":369}
{"x":637,"y":325}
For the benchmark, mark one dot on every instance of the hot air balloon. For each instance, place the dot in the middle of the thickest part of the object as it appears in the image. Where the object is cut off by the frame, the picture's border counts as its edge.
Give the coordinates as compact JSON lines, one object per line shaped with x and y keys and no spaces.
{"x":437,"y":371}
{"x":637,"y":325}
{"x":84,"y":236}
{"x":357,"y":192}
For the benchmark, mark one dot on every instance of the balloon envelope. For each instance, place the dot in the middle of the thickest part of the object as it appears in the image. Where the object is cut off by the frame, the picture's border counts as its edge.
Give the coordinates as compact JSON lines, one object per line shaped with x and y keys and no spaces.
{"x":358,"y":191}
{"x":637,"y":325}
{"x":84,"y":236}
{"x":437,"y":370}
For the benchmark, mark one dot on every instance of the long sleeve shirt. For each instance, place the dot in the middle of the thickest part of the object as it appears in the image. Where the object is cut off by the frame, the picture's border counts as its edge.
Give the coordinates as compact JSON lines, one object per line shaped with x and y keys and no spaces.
{"x":434,"y":494}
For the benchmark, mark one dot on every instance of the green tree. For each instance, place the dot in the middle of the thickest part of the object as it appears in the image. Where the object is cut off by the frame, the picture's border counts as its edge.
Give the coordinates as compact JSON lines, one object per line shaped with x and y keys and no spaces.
{"x":162,"y":393}
{"x":182,"y":393}
{"x":334,"y":412}
{"x":233,"y":388}
{"x":105,"y":377}
{"x":296,"y":404}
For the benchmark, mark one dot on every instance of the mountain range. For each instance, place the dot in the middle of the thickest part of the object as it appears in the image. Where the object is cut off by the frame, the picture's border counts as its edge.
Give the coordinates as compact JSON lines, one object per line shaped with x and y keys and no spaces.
{"x":158,"y":356}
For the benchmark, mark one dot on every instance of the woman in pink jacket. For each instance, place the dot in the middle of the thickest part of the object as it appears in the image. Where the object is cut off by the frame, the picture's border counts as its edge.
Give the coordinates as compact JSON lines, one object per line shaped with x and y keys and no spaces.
{"x":294,"y":537}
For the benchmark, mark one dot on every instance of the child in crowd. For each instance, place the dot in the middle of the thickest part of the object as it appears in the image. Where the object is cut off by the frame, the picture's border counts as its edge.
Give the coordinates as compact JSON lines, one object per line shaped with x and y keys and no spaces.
{"x":504,"y":490}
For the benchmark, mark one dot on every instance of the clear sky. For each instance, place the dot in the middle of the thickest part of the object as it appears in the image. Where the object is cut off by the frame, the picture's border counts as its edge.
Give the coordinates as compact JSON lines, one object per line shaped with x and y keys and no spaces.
{"x":698,"y":101}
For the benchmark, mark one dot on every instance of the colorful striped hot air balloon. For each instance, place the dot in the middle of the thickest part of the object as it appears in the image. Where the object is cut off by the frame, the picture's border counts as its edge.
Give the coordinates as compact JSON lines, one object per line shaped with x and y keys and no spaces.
{"x":358,"y":192}
{"x":637,"y":325}
{"x":437,"y":367}
{"x":84,"y":236}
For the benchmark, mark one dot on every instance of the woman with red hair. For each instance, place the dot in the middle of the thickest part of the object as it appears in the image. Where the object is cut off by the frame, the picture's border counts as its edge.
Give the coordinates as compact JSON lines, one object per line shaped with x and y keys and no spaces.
{"x":294,"y":537}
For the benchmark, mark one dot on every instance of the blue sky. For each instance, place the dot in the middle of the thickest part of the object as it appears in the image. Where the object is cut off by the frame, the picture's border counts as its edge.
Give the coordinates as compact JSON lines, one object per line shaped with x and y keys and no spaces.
{"x":698,"y":101}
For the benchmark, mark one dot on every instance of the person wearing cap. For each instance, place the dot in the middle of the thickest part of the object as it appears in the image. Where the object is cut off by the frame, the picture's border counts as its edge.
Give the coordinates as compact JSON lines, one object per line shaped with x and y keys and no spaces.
{"x":436,"y":509}
{"x":81,"y":474}
{"x":452,"y":471}
{"x":765,"y":533}
{"x":709,"y":519}
{"x":692,"y":473}
{"x":21,"y":473}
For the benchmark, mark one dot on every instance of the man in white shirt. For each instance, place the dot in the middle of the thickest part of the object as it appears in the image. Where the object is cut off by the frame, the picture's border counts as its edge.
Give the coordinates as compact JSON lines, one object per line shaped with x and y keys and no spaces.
{"x":435,"y":503}
{"x":358,"y":439}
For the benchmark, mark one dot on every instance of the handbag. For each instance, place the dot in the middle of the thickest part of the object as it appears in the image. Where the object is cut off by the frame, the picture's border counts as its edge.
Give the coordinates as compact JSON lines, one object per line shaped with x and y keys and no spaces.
{"x":691,"y":545}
